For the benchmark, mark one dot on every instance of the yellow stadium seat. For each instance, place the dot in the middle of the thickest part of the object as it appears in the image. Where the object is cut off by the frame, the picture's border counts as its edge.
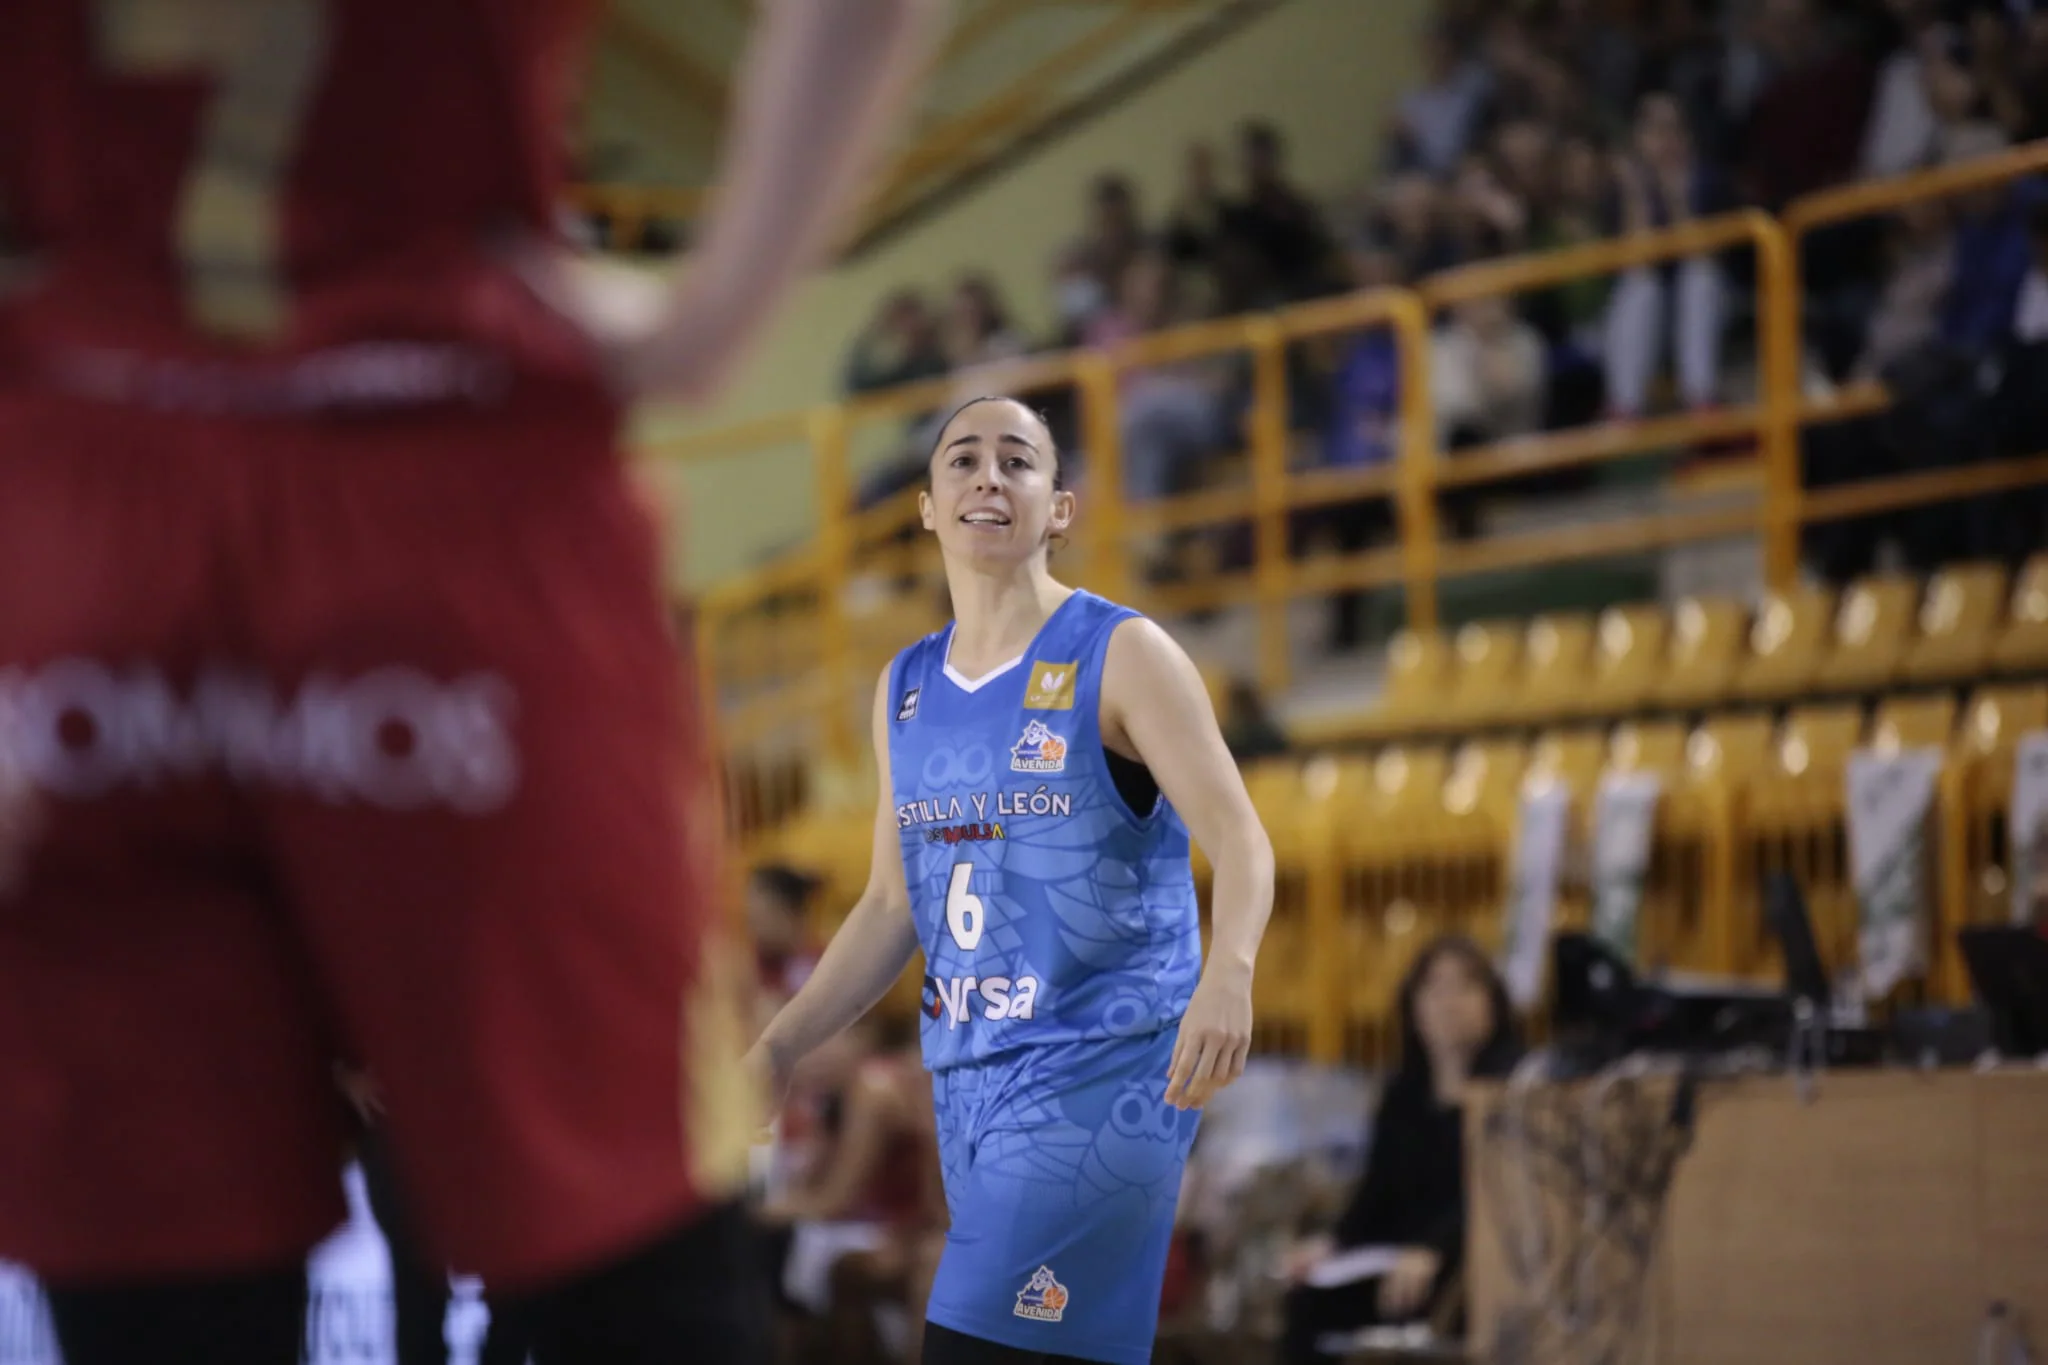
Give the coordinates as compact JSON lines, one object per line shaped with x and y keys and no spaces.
{"x":1913,"y":722}
{"x":1483,"y":687}
{"x":1817,"y":739}
{"x":1407,"y":778}
{"x":1958,"y":623}
{"x":1555,"y":650}
{"x":1873,"y":626}
{"x":1573,"y":757}
{"x":2023,"y":644}
{"x":1484,"y":776}
{"x":1786,"y":642}
{"x":1706,"y":650}
{"x":1999,"y":715}
{"x":1653,"y":746}
{"x":1734,"y":746}
{"x":1417,"y":669}
{"x":1628,"y":652}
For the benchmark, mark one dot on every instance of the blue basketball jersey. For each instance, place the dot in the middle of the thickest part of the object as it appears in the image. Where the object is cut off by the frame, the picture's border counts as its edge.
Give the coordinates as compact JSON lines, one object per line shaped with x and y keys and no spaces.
{"x":1050,"y":911}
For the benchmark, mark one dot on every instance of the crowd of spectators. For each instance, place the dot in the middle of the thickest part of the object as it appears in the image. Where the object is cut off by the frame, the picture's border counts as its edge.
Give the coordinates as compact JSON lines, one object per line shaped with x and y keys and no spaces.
{"x":1537,"y":124}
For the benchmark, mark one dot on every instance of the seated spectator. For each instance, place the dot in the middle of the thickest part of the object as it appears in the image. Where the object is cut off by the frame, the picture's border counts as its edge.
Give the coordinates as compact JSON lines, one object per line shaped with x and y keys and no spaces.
{"x":1992,"y":248}
{"x":1171,"y":414}
{"x":1603,"y":53}
{"x":1661,"y":182}
{"x":1408,"y":220}
{"x":1196,"y":223}
{"x":1908,"y":314}
{"x":1456,"y":1026}
{"x":1276,"y":220}
{"x":977,"y":330}
{"x":1488,"y":374}
{"x":1525,"y":81}
{"x":1685,"y":56}
{"x":2030,"y":319}
{"x":2030,"y":76}
{"x":900,"y":345}
{"x":1900,"y":134}
{"x":869,"y":1219}
{"x":1524,"y":166}
{"x":1573,"y":315}
{"x":1114,"y":237}
{"x":1435,"y":122}
{"x":1365,"y":402}
{"x":2008,"y":64}
{"x":1482,"y":218}
{"x":1078,"y":296}
{"x":1814,"y":84}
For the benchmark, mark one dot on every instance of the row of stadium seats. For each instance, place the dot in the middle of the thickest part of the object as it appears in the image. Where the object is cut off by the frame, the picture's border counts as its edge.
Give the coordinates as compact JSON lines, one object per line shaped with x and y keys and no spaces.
{"x":1418,"y":776}
{"x":1881,"y":632}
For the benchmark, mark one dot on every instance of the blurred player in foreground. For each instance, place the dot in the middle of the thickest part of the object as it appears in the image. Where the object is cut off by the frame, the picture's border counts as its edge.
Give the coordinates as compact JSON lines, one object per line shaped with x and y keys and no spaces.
{"x":1037,"y":761}
{"x":336,"y":668}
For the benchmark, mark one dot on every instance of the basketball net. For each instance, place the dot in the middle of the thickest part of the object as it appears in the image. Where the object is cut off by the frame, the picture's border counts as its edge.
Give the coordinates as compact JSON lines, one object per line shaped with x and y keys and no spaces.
{"x":1577,"y":1173}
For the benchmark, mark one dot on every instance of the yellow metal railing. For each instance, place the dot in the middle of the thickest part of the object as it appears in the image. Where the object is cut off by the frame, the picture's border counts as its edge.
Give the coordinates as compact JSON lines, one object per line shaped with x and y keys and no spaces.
{"x":1268,"y":490}
{"x":1789,"y":508}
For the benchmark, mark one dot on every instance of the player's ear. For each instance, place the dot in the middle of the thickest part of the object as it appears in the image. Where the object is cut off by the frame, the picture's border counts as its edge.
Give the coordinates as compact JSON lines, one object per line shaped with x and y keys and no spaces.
{"x":1062,"y":511}
{"x":926,"y":513}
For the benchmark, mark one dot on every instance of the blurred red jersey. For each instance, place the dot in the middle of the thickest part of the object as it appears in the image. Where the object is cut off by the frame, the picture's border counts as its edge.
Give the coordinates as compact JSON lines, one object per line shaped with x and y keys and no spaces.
{"x":251,"y":182}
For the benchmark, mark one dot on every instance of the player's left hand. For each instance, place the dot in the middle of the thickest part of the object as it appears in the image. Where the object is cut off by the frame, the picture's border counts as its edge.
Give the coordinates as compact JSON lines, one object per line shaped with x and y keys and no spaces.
{"x":1215,"y":1036}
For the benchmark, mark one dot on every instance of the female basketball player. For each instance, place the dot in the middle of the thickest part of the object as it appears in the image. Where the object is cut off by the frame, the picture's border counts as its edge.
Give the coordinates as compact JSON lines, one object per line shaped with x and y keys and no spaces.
{"x":1042,"y":764}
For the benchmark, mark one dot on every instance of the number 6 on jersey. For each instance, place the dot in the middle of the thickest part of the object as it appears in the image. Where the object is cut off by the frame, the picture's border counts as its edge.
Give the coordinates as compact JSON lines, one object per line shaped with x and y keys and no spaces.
{"x":965,"y":913}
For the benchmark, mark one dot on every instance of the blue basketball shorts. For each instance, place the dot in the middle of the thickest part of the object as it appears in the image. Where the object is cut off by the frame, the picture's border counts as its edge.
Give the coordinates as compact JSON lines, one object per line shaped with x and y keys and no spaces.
{"x":1063,"y":1167}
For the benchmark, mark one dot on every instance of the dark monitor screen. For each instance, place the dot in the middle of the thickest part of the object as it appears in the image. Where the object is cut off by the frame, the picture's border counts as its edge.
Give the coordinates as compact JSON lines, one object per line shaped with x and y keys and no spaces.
{"x":2009,"y":972}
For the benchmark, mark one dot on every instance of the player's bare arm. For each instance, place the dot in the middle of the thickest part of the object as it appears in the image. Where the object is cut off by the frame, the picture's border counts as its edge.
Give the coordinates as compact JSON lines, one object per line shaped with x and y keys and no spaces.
{"x":1156,"y":710}
{"x":868,"y":953}
{"x":823,"y":89}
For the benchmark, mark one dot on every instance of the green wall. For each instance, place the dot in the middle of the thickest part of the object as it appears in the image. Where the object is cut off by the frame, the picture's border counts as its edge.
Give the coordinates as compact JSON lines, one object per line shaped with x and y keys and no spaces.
{"x":1325,"y":72}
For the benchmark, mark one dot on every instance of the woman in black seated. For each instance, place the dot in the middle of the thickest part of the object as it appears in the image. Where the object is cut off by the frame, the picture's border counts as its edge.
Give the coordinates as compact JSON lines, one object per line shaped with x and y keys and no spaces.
{"x":1455,"y":1025}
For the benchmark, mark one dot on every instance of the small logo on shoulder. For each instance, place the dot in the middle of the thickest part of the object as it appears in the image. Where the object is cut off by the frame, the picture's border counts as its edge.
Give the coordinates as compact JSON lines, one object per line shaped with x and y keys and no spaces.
{"x":1051,"y":689}
{"x":1044,"y":1299}
{"x":907,"y":708}
{"x":1038,"y":751}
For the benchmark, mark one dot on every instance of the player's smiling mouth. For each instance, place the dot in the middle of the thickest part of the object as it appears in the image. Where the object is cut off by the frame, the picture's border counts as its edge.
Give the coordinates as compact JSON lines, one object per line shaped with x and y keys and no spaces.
{"x":984,"y":517}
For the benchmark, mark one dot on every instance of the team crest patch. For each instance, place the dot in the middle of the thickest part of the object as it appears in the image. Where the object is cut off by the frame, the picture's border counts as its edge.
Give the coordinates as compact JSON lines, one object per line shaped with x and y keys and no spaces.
{"x":1052,"y":688}
{"x":1044,"y":1299}
{"x":907,"y":708}
{"x":1039,"y":751}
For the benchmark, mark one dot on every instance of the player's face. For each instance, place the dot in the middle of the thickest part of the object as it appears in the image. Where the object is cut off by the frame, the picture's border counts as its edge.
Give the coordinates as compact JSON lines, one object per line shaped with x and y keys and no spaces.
{"x":1453,"y":1008}
{"x":992,"y":496}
